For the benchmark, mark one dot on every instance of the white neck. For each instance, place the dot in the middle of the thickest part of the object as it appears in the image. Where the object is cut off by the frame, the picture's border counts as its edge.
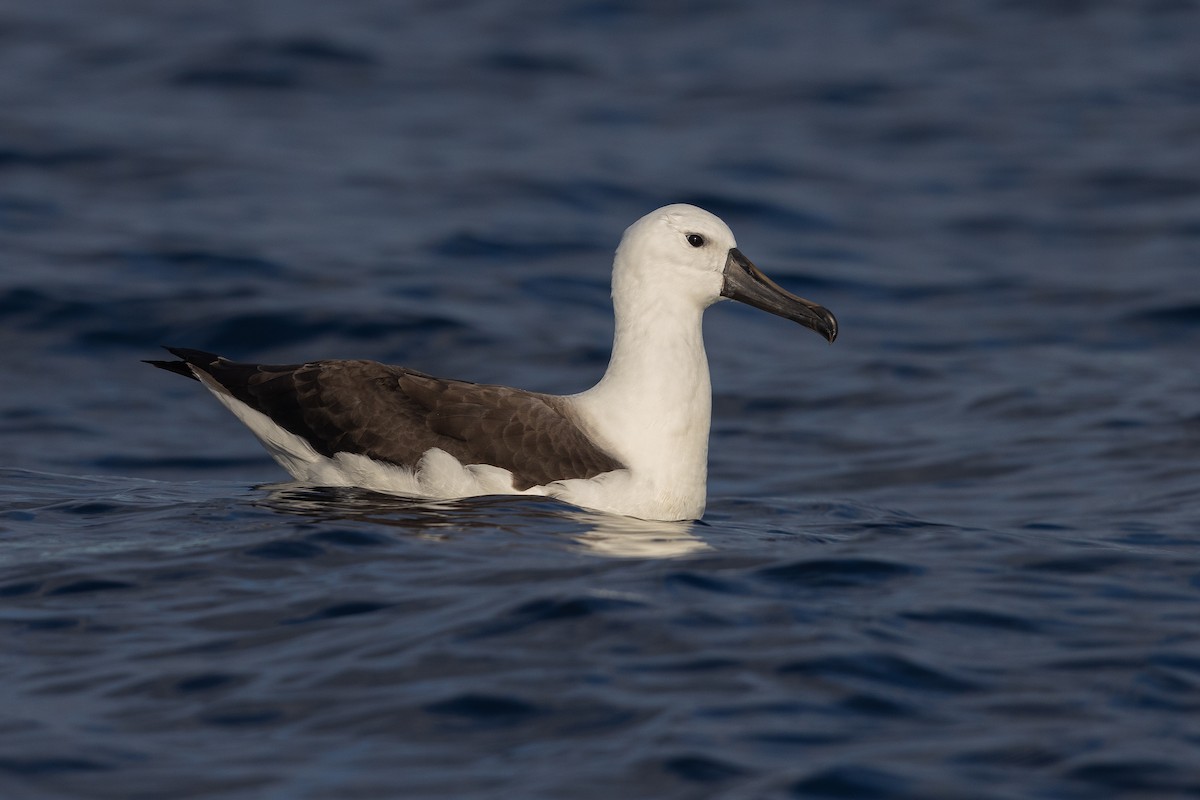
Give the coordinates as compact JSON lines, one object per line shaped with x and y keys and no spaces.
{"x":654,"y":404}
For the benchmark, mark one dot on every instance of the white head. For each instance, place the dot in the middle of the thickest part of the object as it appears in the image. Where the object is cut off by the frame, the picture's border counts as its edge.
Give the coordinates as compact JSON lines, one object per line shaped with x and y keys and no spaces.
{"x":682,"y":252}
{"x":679,"y":250}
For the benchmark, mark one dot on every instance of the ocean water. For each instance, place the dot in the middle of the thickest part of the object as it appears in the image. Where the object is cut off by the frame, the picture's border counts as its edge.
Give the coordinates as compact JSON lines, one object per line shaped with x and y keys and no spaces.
{"x":954,"y":555}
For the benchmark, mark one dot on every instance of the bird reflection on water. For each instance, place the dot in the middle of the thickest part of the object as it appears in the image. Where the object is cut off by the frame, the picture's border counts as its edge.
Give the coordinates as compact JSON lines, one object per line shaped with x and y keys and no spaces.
{"x":599,"y":533}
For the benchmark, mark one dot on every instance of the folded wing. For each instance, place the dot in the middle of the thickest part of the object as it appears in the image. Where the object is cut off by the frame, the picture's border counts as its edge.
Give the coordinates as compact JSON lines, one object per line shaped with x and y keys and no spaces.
{"x":394,"y":415}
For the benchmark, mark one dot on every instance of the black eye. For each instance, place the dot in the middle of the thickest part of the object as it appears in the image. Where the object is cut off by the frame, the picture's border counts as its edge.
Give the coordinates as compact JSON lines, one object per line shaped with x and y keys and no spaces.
{"x":695,"y":240}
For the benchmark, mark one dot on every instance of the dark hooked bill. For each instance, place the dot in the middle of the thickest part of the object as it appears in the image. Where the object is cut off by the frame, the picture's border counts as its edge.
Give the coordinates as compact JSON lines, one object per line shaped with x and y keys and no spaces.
{"x":747,"y":284}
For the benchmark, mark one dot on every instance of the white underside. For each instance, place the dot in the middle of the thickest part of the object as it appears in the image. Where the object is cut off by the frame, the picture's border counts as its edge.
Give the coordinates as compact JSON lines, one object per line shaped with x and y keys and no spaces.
{"x":439,"y":475}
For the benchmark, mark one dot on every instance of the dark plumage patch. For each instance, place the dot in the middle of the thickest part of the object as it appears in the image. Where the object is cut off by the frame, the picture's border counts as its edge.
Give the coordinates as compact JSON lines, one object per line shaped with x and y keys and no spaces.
{"x":395,"y":415}
{"x":178,"y":367}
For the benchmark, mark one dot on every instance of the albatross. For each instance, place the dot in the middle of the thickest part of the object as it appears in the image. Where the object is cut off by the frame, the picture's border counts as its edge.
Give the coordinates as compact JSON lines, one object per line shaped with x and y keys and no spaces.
{"x":634,"y":444}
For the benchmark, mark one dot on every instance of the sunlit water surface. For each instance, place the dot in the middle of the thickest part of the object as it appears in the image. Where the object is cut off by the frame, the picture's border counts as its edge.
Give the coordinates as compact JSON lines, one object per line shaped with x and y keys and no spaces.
{"x":954,"y":555}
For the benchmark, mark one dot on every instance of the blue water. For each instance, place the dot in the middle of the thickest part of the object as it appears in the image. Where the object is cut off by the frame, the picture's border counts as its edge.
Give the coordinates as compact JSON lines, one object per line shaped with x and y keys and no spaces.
{"x":954,"y":555}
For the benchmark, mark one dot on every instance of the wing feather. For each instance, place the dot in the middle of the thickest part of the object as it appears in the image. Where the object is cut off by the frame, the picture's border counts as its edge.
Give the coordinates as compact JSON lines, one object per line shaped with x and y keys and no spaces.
{"x":393,"y":414}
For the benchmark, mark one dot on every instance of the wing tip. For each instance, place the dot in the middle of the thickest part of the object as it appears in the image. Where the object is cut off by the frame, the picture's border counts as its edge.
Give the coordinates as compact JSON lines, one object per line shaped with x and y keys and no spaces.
{"x":187,"y":359}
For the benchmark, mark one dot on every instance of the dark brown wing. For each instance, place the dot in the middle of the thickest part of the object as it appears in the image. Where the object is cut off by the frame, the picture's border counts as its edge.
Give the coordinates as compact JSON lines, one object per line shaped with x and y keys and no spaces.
{"x":395,"y":415}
